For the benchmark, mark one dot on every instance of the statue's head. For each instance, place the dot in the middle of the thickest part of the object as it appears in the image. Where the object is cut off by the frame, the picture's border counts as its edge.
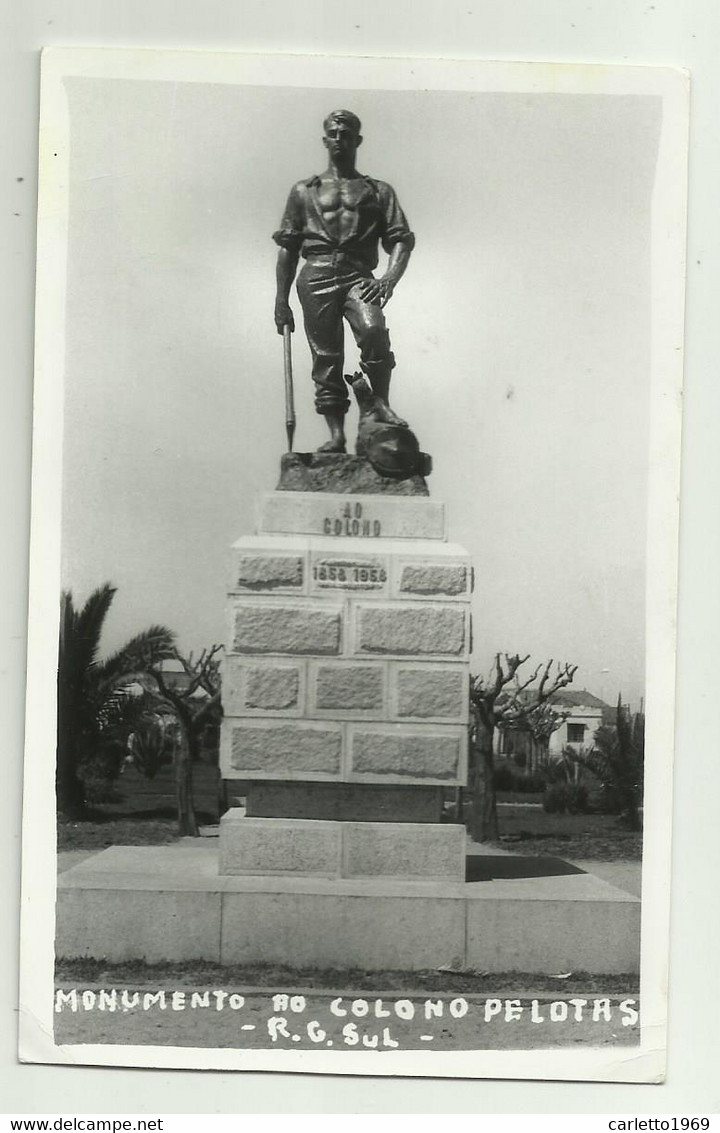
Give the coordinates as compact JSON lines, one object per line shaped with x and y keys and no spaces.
{"x":342,"y":133}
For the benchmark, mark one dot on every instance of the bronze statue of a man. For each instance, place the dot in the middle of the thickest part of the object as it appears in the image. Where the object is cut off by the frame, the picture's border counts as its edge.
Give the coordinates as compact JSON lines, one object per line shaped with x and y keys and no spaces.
{"x":335,"y":221}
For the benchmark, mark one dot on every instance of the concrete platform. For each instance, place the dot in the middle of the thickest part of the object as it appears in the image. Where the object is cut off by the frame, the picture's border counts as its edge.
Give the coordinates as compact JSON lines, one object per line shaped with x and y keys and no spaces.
{"x":170,"y":903}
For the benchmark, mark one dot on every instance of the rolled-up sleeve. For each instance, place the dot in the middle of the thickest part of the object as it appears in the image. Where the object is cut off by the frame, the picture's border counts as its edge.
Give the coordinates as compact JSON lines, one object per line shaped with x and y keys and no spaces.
{"x":396,"y":229}
{"x":290,"y":234}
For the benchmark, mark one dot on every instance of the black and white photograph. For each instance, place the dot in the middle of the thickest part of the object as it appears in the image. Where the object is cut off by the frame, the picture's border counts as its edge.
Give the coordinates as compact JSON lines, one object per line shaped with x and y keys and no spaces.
{"x":354,"y":545}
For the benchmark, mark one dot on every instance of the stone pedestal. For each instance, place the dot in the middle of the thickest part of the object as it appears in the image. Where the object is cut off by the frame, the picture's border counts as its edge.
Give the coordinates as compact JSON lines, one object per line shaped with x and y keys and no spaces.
{"x":345,"y":694}
{"x":345,"y":685}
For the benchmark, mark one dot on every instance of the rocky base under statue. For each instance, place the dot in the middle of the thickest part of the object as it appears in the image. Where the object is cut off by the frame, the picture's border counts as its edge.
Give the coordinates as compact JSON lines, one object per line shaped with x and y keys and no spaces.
{"x":337,"y":472}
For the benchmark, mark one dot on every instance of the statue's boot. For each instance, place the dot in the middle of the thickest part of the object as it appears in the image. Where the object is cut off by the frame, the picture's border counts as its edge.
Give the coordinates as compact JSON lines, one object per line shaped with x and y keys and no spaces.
{"x":336,"y":425}
{"x":379,"y":375}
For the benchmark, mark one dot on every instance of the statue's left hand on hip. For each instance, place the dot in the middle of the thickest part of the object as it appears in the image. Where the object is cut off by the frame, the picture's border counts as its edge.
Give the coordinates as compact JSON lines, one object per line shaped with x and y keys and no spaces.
{"x":377,"y":291}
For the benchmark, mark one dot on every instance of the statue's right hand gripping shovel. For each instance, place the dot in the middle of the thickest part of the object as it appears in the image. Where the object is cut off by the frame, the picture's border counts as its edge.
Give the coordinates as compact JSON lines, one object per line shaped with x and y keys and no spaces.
{"x":289,"y":394}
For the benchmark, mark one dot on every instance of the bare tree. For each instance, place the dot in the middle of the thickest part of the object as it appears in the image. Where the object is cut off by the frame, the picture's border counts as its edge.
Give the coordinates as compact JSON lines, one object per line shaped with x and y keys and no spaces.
{"x":193,"y":713}
{"x":497,"y":699}
{"x":541,"y":720}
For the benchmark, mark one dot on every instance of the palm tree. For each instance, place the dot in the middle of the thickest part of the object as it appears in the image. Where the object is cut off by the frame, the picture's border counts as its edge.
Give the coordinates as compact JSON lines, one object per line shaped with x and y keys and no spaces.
{"x":96,"y":709}
{"x":617,"y":760}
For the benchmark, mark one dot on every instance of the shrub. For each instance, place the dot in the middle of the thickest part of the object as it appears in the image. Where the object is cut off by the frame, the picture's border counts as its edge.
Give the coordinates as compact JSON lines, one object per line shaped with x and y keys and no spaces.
{"x":506,"y":779}
{"x":503,"y":778}
{"x":566,"y":798}
{"x":99,"y":773}
{"x":617,"y":762}
{"x":531,"y":784}
{"x":608,"y":800}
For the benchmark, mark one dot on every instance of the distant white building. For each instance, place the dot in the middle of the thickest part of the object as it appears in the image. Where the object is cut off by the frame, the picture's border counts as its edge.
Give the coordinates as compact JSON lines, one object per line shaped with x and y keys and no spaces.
{"x":582,"y":712}
{"x":585,"y":715}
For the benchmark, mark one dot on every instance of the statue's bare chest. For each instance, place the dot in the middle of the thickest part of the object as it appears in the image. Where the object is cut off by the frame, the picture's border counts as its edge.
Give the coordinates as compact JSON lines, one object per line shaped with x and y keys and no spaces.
{"x":336,"y":197}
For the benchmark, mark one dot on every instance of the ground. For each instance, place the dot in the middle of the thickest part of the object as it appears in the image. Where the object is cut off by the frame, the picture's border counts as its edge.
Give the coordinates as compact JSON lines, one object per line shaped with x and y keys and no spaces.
{"x":527,"y":829}
{"x":143,"y":814}
{"x":225,"y":1013}
{"x":142,"y":811}
{"x":235,"y":1007}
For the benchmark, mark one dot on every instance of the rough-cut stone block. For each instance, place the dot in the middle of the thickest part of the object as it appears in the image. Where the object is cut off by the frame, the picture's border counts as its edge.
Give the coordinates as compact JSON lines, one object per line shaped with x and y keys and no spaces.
{"x":272,"y":845}
{"x":262,"y":626}
{"x":419,"y":629}
{"x":272,"y":688}
{"x":280,"y":749}
{"x":418,"y":754}
{"x":344,"y":688}
{"x":258,"y":686}
{"x":364,"y":518}
{"x":431,"y":692}
{"x":233,"y":686}
{"x":336,"y":472}
{"x":256,"y":571}
{"x":341,"y":802}
{"x":383,"y":849}
{"x":434,"y":579}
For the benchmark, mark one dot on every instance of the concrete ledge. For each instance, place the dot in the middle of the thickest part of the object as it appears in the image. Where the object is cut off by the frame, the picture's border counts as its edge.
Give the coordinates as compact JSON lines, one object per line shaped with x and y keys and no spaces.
{"x":169,"y":903}
{"x":128,"y":922}
{"x":342,"y":931}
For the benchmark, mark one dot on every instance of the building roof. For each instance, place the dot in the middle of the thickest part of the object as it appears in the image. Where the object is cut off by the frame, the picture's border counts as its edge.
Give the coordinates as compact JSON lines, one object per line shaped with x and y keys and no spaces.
{"x":565,"y":698}
{"x":570,"y":698}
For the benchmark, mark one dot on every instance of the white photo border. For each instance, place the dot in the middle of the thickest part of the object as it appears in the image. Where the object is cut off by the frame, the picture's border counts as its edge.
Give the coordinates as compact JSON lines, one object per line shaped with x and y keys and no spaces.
{"x":645,"y":1063}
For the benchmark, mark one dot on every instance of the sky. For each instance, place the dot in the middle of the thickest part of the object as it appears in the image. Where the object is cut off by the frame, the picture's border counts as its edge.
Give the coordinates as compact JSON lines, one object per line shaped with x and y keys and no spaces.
{"x":521,"y":332}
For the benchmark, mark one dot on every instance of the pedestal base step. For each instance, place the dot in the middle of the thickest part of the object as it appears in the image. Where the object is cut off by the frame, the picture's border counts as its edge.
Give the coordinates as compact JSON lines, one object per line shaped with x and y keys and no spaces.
{"x":157,"y":903}
{"x":308,"y":848}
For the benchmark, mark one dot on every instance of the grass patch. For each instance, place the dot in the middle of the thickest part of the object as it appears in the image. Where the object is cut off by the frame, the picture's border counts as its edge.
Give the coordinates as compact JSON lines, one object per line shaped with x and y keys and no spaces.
{"x":142,"y":812}
{"x":283,"y":977}
{"x":98,"y":834}
{"x":592,"y":837}
{"x":584,"y":847}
